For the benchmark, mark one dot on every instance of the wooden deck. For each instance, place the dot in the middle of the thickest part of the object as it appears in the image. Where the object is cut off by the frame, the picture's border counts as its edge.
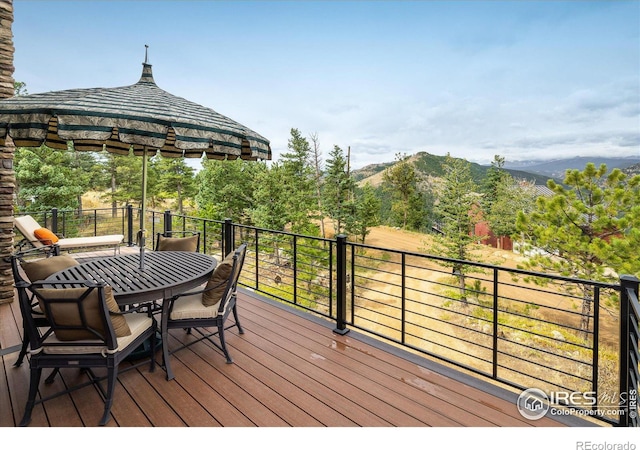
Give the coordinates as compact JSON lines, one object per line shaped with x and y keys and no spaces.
{"x":289,"y":370}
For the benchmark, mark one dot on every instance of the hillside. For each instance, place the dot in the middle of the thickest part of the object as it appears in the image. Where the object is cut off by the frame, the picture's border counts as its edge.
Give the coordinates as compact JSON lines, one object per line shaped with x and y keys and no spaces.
{"x":432,"y":166}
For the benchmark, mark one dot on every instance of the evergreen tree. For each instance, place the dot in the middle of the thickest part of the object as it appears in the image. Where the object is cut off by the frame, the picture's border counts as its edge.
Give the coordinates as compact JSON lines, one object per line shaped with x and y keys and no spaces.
{"x":585,"y":229}
{"x":270,"y":208}
{"x":177,"y":179}
{"x":337,"y":190}
{"x":511,"y":198}
{"x":402,"y":179}
{"x":226,"y":189}
{"x":299,"y":169}
{"x":47,"y":178}
{"x":365,"y":212}
{"x":457,"y":200}
{"x":496,"y":176}
{"x":107,"y":178}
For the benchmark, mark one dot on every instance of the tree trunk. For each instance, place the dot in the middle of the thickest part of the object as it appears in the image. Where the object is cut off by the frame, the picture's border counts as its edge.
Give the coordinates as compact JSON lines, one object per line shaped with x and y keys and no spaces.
{"x":114,"y":204}
{"x":585,"y":318}
{"x":7,"y":174}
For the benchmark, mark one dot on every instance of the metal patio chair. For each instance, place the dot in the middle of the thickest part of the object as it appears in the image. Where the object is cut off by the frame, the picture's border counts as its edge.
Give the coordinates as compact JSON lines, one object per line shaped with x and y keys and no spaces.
{"x":86,"y":330}
{"x":37,"y":264}
{"x":208,"y":307}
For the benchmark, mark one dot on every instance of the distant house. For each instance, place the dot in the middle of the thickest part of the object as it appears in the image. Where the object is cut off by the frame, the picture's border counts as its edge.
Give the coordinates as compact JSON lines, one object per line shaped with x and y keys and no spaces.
{"x":482,"y":227}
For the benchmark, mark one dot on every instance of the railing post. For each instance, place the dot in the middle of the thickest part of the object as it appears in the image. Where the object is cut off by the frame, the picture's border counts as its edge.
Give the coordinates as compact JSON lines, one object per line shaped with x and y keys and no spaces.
{"x":54,"y":220}
{"x":627,"y":282}
{"x":168,"y":225}
{"x":130,"y":225}
{"x":228,"y":237}
{"x":494,"y":338}
{"x":341,"y":284}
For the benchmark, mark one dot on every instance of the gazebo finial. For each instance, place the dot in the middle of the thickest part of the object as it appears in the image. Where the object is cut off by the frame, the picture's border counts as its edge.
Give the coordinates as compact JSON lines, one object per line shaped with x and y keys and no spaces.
{"x":147,"y":75}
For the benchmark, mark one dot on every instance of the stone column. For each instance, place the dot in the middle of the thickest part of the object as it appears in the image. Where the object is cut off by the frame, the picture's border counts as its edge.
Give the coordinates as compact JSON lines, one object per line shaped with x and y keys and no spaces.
{"x":7,"y":175}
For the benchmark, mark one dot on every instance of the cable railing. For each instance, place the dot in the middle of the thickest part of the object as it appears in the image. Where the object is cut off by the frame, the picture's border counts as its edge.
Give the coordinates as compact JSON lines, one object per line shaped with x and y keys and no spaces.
{"x":521,"y":328}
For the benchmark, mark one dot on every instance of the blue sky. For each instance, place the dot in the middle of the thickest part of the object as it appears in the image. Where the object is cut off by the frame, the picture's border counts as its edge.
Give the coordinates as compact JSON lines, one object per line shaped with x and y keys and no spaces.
{"x":525,"y":80}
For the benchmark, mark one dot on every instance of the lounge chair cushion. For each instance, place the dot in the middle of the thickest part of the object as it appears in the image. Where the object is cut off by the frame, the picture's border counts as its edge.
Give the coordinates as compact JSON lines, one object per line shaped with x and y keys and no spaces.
{"x":181,"y":244}
{"x":45,"y":235}
{"x":41,"y":269}
{"x":27,"y":226}
{"x":67,"y":314}
{"x":217,"y":282}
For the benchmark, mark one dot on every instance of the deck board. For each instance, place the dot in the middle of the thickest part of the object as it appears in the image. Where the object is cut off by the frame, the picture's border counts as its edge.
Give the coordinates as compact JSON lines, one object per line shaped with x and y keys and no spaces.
{"x":289,"y":370}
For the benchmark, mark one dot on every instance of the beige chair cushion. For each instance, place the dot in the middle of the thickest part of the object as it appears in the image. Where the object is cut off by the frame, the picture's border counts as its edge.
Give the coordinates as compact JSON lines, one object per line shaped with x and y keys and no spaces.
{"x":67,"y":314}
{"x":218,"y":281}
{"x":137,"y":323}
{"x":183,"y":244}
{"x":91,"y":241}
{"x":41,"y":269}
{"x":191,"y":307}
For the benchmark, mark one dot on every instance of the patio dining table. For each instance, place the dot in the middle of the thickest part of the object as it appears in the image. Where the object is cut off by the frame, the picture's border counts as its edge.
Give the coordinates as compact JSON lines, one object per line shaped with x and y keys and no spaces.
{"x":165,"y":274}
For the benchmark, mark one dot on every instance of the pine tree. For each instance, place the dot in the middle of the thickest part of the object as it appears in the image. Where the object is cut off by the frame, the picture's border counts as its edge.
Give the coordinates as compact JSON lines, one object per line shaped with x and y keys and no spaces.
{"x":402,"y":180}
{"x":455,"y":209}
{"x":177,"y":179}
{"x":225,"y":189}
{"x":299,"y":169}
{"x":337,"y":189}
{"x":48,"y":178}
{"x":585,"y":229}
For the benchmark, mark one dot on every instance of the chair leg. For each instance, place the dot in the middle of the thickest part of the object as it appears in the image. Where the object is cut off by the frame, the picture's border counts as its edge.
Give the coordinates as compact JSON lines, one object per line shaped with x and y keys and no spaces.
{"x":23,"y":351}
{"x":235,"y":316}
{"x":223,"y":345}
{"x":154,"y":343}
{"x":52,"y":376}
{"x":31,"y":399}
{"x":112,"y":377}
{"x":165,"y":355}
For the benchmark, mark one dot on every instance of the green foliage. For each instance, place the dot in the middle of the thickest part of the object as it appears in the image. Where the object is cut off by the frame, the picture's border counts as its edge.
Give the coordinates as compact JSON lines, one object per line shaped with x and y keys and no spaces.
{"x":457,"y":200}
{"x":495,"y":177}
{"x":455,"y":211}
{"x":226,"y":189}
{"x":586,"y":230}
{"x":366,"y":208}
{"x":299,"y":177}
{"x":270,"y":209}
{"x":402,"y":180}
{"x":48,"y":178}
{"x":20,"y":88}
{"x":337,"y":191}
{"x":177,"y":180}
{"x":587,"y":227}
{"x":510,"y":199}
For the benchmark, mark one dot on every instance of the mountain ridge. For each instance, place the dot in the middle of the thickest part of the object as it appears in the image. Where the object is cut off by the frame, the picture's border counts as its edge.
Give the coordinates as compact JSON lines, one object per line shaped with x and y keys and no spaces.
{"x":433,"y":166}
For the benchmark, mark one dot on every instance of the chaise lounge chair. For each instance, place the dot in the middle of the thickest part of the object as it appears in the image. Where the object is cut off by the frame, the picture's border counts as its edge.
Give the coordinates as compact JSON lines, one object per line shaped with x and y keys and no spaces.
{"x":38,"y":236}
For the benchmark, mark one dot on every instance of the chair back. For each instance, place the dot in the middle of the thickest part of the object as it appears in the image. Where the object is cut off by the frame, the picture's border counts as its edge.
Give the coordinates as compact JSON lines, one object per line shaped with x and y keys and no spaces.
{"x":27,"y":226}
{"x":229,"y":296}
{"x":183,"y":241}
{"x":77,"y":315}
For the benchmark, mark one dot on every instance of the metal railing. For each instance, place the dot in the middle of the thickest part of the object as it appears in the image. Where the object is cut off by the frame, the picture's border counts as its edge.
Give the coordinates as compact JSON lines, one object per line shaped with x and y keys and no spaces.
{"x":521,"y":328}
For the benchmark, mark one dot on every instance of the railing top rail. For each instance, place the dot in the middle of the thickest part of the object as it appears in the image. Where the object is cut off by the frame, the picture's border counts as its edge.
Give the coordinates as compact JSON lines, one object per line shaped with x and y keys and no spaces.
{"x":285,"y":233}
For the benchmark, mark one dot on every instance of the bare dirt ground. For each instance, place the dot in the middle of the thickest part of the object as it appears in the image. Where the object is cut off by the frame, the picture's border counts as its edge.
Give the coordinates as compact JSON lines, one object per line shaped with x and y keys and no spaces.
{"x":393,"y":238}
